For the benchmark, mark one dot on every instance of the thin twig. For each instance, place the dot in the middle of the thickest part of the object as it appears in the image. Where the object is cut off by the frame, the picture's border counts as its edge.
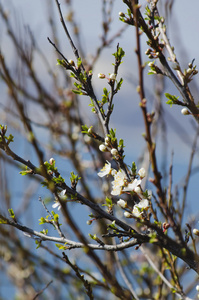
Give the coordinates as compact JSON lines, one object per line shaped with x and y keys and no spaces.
{"x":187,"y":179}
{"x":124,"y":276}
{"x":162,"y":276}
{"x":40,"y":292}
{"x":85,"y":282}
{"x":67,"y":33}
{"x":56,"y":224}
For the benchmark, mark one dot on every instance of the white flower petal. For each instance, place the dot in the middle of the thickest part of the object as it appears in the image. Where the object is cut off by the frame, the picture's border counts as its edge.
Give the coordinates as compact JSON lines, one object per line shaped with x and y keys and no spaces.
{"x":144,"y":203}
{"x":122,"y":203}
{"x":56,"y":205}
{"x":62,"y":194}
{"x":138,"y":209}
{"x":102,"y":148}
{"x":106,"y":170}
{"x":142,"y":172}
{"x":127,"y":214}
{"x":119,"y":179}
{"x":132,"y":185}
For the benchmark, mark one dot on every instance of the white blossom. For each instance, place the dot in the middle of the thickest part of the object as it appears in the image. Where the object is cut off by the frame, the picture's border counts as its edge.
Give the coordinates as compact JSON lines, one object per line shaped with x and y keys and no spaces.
{"x":106,"y":170}
{"x":132,"y":185}
{"x":122,"y":203}
{"x":107,"y":141}
{"x":71,"y":62}
{"x":114,"y":152}
{"x":197,"y":288}
{"x":102,"y":148}
{"x":112,"y":76}
{"x":127,"y":214}
{"x":56,"y":205}
{"x":151,"y":64}
{"x":62,"y":194}
{"x":185,"y":111}
{"x":119,"y":180}
{"x":149,"y":194}
{"x":137,"y":190}
{"x":51,"y":160}
{"x":138,"y":209}
{"x":196,"y":231}
{"x":113,"y":172}
{"x":142,"y":172}
{"x":101,"y":76}
{"x":121,"y":14}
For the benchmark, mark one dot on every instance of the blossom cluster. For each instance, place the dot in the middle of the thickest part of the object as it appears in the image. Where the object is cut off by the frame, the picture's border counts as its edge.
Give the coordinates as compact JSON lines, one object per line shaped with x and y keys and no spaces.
{"x":121,"y":185}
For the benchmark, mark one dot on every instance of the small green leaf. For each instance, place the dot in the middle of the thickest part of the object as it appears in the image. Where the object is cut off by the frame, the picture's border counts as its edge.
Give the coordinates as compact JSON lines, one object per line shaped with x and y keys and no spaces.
{"x":79,"y":62}
{"x":133,"y":168}
{"x":112,"y":225}
{"x":58,"y":180}
{"x":119,"y":54}
{"x":24,"y":173}
{"x":169,"y":102}
{"x":85,"y":129}
{"x":109,"y":201}
{"x":11,"y":212}
{"x":61,"y":62}
{"x":119,"y":84}
{"x":172,"y":99}
{"x":38,"y":243}
{"x":42,"y":221}
{"x":77,"y":92}
{"x":3,"y":221}
{"x":56,"y":218}
{"x":61,"y":247}
{"x":10,"y":138}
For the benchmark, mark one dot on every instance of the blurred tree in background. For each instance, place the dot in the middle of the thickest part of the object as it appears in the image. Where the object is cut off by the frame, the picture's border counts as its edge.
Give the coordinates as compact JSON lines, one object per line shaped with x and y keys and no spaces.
{"x":110,"y":199}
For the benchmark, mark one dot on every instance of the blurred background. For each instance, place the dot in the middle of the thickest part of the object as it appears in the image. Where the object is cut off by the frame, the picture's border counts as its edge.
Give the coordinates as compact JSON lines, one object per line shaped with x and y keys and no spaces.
{"x":32,"y":22}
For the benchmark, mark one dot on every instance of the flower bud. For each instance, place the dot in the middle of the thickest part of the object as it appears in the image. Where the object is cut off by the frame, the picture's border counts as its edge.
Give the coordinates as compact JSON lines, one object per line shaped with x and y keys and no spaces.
{"x":196,"y":231}
{"x":151,"y":64}
{"x":112,"y":76}
{"x":121,"y":14}
{"x":165,"y":226}
{"x":71,"y":62}
{"x":142,"y":173}
{"x":90,"y":130}
{"x":149,"y":194}
{"x":185,"y":111}
{"x":51,"y":160}
{"x":127,"y":214}
{"x":189,"y":71}
{"x":107,"y":141}
{"x":137,"y":190}
{"x":148,"y":51}
{"x":102,"y":148}
{"x":102,"y":76}
{"x":114,"y":152}
{"x":122,"y":203}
